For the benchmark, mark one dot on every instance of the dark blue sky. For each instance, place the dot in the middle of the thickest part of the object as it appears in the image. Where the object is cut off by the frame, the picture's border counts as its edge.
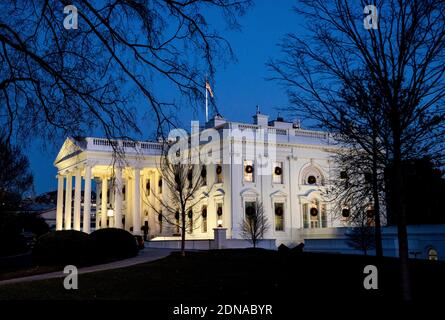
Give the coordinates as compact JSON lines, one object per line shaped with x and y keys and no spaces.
{"x":239,"y":86}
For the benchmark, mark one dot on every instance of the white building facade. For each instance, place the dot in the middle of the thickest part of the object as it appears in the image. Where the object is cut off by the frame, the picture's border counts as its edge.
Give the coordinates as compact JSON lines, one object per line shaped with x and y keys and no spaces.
{"x":300,"y":165}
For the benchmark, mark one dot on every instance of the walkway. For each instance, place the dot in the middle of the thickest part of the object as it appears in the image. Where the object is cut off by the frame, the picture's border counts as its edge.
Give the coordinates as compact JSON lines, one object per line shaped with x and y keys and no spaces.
{"x":145,"y":255}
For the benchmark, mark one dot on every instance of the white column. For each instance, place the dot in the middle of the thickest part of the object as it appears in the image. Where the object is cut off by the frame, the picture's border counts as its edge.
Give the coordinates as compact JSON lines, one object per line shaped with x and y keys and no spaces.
{"x":118,"y":199}
{"x":68,"y":196}
{"x":77,"y":195}
{"x":103,"y":209}
{"x":98,"y":187}
{"x":137,"y":202}
{"x":128,"y":203}
{"x":59,"y":214}
{"x":87,"y":200}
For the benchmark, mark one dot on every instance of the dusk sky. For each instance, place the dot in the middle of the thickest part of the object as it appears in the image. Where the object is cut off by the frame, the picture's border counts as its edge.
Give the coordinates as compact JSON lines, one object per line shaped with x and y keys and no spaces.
{"x":238,"y":87}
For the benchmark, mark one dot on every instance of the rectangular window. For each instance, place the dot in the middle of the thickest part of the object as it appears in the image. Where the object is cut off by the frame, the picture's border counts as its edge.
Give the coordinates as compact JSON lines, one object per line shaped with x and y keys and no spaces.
{"x":249,"y":208}
{"x":190,"y":178}
{"x":204,"y":175}
{"x":324,"y":216}
{"x":219,"y":215}
{"x":305,"y":216}
{"x":277,"y":174}
{"x":160,"y":221}
{"x":279,"y":216}
{"x":190,"y":218}
{"x":219,"y":173}
{"x":204,"y":219}
{"x":147,"y":187}
{"x":248,"y":171}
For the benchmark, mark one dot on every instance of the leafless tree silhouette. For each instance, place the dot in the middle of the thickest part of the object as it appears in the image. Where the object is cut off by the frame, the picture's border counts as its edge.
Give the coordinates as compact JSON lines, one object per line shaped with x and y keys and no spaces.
{"x":254,"y":224}
{"x":57,"y":82}
{"x":404,"y":60}
{"x":181,"y":182}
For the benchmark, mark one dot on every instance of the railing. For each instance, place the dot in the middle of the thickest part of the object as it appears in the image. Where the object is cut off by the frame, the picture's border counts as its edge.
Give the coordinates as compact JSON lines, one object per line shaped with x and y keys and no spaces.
{"x":100,"y":143}
{"x":311,"y":134}
{"x":287,"y":132}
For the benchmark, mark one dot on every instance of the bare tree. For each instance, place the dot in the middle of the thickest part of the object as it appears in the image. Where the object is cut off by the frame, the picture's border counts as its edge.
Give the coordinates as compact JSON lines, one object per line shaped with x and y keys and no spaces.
{"x":254,"y":224}
{"x":360,"y":163}
{"x":15,"y":176}
{"x":181,"y":182}
{"x":57,"y":82}
{"x":404,"y":57}
{"x":361,"y":237}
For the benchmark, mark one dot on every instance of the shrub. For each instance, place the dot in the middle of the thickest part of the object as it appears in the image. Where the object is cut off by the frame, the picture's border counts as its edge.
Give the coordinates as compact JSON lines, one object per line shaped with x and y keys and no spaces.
{"x":12,"y":241}
{"x":112,"y":244}
{"x":62,"y":248}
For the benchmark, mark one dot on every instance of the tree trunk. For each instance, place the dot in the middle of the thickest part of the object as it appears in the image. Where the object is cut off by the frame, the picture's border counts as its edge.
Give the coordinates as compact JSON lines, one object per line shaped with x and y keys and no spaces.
{"x":183,"y":234}
{"x":398,"y":210}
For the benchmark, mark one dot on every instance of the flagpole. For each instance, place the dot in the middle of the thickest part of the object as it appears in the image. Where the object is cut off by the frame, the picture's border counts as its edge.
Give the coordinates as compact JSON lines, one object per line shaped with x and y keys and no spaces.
{"x":207,"y":104}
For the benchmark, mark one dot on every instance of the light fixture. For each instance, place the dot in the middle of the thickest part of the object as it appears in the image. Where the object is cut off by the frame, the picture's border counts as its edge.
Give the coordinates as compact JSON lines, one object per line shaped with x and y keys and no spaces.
{"x":220,"y":222}
{"x":110,"y":213}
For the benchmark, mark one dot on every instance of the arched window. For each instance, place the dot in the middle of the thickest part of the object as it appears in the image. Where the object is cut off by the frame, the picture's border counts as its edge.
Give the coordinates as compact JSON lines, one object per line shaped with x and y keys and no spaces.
{"x":311,"y":175}
{"x":432,"y":254}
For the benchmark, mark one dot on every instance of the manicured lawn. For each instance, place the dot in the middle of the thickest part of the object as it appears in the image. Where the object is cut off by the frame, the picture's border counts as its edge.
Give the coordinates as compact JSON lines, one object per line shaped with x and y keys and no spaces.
{"x":241,"y":274}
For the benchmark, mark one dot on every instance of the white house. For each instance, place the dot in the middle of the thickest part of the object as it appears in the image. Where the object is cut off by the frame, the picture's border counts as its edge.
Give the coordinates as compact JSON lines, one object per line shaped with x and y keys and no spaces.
{"x":274,"y":162}
{"x":290,"y":192}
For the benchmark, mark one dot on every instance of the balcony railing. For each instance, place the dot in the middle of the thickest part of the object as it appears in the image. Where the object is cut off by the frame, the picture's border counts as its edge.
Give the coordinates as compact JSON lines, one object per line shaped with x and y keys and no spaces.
{"x":100,"y":144}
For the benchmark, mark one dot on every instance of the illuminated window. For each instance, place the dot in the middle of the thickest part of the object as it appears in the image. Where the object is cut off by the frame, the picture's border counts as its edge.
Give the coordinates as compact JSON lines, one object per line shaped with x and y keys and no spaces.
{"x":204,"y":175}
{"x":190,"y":178}
{"x":219,"y":174}
{"x":277,"y":175}
{"x":315,"y":214}
{"x":279,"y":216}
{"x":219,"y":214}
{"x":160,"y":222}
{"x":248,"y":171}
{"x":177,"y":215}
{"x":204,"y":219}
{"x":432,"y":254}
{"x":190,"y":217}
{"x":305,"y":215}
{"x":147,"y":187}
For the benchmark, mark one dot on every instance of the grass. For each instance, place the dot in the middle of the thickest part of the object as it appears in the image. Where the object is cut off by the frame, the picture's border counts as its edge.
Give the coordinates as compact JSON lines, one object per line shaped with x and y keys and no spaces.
{"x":240,"y":274}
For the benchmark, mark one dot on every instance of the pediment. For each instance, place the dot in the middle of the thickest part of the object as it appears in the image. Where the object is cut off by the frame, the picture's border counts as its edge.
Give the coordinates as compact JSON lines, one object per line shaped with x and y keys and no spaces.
{"x":219,"y":192}
{"x":278,"y":194}
{"x":310,"y":193}
{"x":70,"y":148}
{"x":249,"y":192}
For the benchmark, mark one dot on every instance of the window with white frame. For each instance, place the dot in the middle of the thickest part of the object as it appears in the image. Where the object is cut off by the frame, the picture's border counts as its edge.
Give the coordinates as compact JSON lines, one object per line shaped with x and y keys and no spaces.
{"x":432,"y":254}
{"x":279,"y":216}
{"x":190,"y":218}
{"x":219,"y":173}
{"x":204,"y":219}
{"x":249,"y":209}
{"x":277,"y":175}
{"x":314,"y":214}
{"x":219,"y":214}
{"x":248,"y":171}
